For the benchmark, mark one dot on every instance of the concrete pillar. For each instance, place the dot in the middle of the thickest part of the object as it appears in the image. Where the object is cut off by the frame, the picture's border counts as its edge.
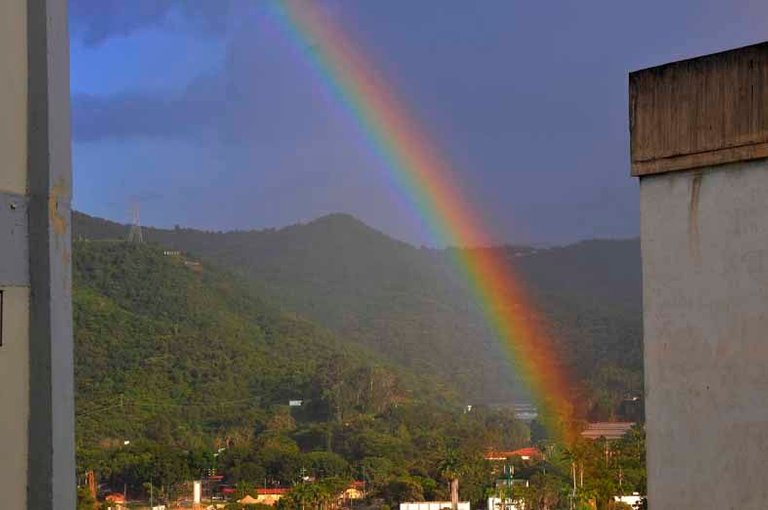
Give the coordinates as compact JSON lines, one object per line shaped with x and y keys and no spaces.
{"x":36,"y":370}
{"x":699,"y":143}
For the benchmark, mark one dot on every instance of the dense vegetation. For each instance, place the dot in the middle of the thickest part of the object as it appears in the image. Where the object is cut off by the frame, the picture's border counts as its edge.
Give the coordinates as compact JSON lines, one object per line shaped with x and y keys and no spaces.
{"x":181,"y":370}
{"x":410,"y":307}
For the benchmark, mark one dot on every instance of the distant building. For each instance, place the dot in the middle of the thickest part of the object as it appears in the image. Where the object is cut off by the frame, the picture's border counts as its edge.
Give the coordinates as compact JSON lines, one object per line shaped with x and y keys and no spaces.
{"x":496,"y":503}
{"x":194,"y":265}
{"x":270,"y":496}
{"x":115,"y":501}
{"x":635,"y":500}
{"x":632,"y":409}
{"x":524,"y":453}
{"x":355,"y":491}
{"x":433,"y":505}
{"x":609,"y":430}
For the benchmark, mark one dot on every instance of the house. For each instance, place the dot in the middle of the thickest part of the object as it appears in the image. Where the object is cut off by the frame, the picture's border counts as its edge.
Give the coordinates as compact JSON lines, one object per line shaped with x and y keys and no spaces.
{"x":355,"y":491}
{"x":529,"y":453}
{"x":115,"y":501}
{"x":248,"y":500}
{"x":270,"y":496}
{"x":609,"y":430}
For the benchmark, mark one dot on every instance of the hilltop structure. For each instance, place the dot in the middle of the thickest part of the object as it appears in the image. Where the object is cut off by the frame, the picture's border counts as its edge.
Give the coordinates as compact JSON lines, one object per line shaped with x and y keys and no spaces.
{"x":699,"y":142}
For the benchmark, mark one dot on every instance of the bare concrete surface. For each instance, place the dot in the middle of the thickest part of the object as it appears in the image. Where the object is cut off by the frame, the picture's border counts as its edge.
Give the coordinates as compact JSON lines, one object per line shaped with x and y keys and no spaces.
{"x":37,"y":462}
{"x":705,"y":271}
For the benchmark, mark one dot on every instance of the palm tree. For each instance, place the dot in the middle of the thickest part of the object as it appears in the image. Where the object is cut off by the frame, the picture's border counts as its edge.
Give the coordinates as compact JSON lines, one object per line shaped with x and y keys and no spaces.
{"x":450,"y":469}
{"x":307,"y":496}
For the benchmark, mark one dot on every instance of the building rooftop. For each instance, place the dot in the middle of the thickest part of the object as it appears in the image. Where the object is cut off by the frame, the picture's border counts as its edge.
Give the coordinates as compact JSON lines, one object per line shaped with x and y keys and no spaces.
{"x":608,"y":430}
{"x":525,"y":453}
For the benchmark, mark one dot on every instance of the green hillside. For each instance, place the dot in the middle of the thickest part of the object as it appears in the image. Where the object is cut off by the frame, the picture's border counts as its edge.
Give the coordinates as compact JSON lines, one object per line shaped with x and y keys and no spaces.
{"x":155,"y":336}
{"x":177,"y":362}
{"x":409,"y":306}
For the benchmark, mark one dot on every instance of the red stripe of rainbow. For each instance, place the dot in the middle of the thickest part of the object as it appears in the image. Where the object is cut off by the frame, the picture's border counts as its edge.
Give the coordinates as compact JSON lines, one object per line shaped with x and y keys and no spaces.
{"x":426,"y":177}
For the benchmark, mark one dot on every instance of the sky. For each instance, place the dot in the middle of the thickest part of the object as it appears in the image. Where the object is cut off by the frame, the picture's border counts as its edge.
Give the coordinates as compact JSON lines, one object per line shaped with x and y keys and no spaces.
{"x":204,"y":114}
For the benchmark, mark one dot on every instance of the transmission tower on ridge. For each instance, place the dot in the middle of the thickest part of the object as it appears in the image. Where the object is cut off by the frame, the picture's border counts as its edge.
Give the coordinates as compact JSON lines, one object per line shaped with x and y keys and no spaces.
{"x":135,"y":235}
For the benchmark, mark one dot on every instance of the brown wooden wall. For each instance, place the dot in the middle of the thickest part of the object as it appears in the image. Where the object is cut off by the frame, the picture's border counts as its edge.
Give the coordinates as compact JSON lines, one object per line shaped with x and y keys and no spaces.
{"x":701,"y":112}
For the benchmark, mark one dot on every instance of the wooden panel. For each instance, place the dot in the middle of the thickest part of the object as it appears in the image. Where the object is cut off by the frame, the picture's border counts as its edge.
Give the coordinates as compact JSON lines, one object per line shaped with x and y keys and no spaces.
{"x":705,"y":111}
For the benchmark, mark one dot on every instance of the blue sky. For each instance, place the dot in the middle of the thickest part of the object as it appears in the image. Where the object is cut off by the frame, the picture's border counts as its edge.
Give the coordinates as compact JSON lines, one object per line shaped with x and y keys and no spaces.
{"x":203,"y":113}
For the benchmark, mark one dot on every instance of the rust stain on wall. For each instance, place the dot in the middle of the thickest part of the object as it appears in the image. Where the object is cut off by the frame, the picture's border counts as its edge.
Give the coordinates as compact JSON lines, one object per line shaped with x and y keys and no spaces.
{"x":693,"y":216}
{"x":56,"y":216}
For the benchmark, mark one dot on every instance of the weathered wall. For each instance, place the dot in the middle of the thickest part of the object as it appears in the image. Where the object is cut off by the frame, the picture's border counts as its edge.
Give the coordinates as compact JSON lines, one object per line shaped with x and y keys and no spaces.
{"x":13,"y":96}
{"x":705,"y":111}
{"x":36,"y":377}
{"x":705,"y":270}
{"x":14,"y":397}
{"x":14,"y":352}
{"x":699,"y":142}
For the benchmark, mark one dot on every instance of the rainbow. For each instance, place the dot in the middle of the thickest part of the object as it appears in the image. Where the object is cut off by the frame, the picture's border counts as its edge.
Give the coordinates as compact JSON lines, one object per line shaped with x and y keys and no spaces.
{"x":427,"y":178}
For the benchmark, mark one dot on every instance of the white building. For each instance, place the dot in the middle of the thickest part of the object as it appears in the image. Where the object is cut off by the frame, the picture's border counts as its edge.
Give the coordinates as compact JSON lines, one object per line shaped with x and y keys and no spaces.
{"x":433,"y":505}
{"x":495,"y":503}
{"x":635,"y":500}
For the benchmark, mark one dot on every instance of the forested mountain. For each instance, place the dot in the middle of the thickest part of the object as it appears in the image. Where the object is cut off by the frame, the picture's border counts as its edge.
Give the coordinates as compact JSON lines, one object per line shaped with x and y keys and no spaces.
{"x":182,"y":368}
{"x":410,"y":306}
{"x":160,"y":341}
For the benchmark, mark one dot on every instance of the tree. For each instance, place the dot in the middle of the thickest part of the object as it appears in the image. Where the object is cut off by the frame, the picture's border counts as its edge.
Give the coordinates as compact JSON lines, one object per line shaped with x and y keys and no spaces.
{"x":306,"y":496}
{"x":548,"y":491}
{"x":85,"y":500}
{"x":450,"y":468}
{"x":326,"y":464}
{"x":401,"y":489}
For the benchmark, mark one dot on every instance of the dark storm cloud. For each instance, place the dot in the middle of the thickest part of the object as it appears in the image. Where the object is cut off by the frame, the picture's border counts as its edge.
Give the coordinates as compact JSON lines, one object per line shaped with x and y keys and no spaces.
{"x":527,"y":100}
{"x":95,"y":21}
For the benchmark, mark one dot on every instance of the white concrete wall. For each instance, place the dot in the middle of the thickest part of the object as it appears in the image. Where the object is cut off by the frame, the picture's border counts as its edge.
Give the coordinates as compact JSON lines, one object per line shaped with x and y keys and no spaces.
{"x":13,"y":96}
{"x":14,"y":398}
{"x":14,"y":353}
{"x":705,"y":270}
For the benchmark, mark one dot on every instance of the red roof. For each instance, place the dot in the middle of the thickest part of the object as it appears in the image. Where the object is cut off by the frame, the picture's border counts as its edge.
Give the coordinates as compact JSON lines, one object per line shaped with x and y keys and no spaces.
{"x":115,"y":498}
{"x":530,"y":452}
{"x":358,"y":484}
{"x":527,"y":452}
{"x":228,"y":490}
{"x":271,"y":492}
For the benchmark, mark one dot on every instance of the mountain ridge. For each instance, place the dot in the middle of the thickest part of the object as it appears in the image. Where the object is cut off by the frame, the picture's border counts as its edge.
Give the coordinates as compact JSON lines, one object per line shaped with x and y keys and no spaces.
{"x":410,"y":304}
